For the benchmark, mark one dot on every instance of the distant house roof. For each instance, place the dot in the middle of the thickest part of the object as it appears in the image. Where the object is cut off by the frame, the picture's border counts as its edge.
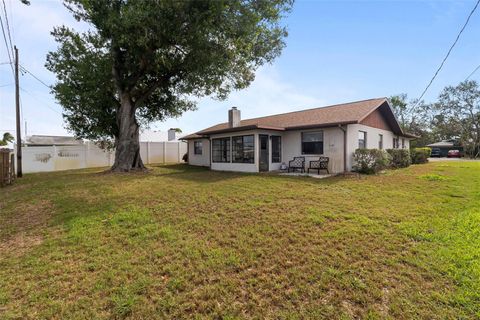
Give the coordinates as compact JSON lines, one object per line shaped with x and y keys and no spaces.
{"x":158,"y":136}
{"x":41,"y":140}
{"x":346,"y":113}
{"x":444,"y":144}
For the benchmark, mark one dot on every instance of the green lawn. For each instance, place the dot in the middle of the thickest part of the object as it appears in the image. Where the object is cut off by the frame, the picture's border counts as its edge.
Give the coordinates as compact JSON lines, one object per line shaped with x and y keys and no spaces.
{"x":184,"y":242}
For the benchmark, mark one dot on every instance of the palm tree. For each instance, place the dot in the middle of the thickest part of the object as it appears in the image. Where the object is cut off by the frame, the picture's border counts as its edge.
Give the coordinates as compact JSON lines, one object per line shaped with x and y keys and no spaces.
{"x":7,"y":137}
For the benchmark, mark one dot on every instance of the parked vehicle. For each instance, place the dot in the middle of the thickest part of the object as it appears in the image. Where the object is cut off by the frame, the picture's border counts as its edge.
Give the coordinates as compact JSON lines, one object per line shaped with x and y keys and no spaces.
{"x":454,"y":154}
{"x":436,"y":152}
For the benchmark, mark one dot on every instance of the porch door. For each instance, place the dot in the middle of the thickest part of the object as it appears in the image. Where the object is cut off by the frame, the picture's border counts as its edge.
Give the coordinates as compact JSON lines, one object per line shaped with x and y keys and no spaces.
{"x":264,"y":155}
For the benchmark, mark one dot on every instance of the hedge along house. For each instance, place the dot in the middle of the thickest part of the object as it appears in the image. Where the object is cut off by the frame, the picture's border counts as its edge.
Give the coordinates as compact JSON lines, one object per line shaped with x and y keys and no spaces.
{"x":263,"y":144}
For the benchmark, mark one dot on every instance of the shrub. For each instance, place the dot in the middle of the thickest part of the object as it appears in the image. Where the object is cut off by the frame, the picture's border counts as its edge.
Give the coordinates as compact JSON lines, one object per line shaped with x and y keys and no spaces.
{"x":420,"y":155}
{"x":370,"y":160}
{"x":400,"y":158}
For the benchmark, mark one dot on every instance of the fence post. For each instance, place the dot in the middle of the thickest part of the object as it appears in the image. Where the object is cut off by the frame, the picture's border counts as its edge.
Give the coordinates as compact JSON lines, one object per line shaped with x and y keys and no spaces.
{"x":2,"y":169}
{"x":178,"y":153}
{"x":12,"y":168}
{"x":164,"y":152}
{"x":148,"y":152}
{"x":86,"y":154}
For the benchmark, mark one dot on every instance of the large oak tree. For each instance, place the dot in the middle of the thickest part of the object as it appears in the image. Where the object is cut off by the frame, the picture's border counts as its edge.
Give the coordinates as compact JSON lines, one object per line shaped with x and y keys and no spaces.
{"x":147,"y":60}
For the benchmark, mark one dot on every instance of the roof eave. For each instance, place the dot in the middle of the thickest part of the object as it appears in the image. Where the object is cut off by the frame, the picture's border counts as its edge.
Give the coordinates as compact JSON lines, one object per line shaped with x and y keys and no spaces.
{"x":322,"y":125}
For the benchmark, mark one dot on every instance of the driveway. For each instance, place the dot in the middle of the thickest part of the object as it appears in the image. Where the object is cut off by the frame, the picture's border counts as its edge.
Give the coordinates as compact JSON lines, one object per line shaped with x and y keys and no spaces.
{"x":451,"y":159}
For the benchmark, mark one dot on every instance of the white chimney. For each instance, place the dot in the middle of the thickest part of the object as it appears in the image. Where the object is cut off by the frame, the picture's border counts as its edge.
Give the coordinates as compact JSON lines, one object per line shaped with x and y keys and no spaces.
{"x":172,"y":134}
{"x":234,"y":117}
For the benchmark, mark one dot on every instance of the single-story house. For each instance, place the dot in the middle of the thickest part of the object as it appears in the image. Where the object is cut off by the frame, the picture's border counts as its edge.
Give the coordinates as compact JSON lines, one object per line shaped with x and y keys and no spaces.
{"x":263,"y":144}
{"x":46,"y":141}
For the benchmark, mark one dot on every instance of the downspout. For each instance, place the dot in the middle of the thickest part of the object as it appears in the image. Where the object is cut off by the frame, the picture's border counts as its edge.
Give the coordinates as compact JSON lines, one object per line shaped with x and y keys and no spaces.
{"x":344,"y":129}
{"x":210,"y":152}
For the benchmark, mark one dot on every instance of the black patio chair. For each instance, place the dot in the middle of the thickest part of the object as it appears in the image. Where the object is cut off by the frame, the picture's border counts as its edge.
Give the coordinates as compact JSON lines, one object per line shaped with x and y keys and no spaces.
{"x":320,"y":164}
{"x":297,"y":163}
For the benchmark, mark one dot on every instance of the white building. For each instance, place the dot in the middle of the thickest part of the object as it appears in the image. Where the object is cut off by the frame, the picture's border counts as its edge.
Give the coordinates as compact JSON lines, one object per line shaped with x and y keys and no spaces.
{"x":172,"y":134}
{"x":263,"y":144}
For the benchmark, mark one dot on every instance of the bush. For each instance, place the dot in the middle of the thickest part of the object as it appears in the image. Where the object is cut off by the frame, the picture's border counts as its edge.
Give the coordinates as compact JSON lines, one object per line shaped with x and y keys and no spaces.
{"x":370,"y":160}
{"x":420,"y":155}
{"x":400,"y":158}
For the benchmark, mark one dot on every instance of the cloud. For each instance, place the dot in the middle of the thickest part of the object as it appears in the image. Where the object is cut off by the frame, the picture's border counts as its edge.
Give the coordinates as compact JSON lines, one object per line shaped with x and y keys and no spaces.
{"x":269,"y":94}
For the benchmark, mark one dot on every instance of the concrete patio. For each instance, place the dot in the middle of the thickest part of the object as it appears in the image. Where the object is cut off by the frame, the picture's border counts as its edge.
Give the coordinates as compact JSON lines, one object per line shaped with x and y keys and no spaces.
{"x":305,"y":174}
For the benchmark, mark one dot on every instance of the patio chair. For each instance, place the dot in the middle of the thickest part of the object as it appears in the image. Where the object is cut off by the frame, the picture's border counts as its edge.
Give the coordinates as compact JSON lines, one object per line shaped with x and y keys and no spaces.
{"x":320,"y":164}
{"x":297,"y":163}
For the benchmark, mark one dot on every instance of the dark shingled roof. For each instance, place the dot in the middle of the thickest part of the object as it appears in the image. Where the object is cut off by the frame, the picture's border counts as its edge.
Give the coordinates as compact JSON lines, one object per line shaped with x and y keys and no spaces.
{"x":346,"y":113}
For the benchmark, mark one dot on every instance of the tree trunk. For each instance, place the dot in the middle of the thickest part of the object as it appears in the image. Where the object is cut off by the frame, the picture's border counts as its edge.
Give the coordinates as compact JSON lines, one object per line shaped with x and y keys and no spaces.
{"x":127,"y":144}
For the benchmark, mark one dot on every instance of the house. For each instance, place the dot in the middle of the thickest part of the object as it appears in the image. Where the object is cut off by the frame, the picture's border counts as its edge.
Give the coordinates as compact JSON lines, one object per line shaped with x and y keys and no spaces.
{"x":263,"y":144}
{"x":160,"y":136}
{"x":45,"y":141}
{"x":441,"y":148}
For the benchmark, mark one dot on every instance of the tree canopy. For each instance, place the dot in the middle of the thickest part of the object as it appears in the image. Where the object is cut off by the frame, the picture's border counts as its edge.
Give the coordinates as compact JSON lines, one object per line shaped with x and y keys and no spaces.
{"x":454,"y":116}
{"x":146,"y":60}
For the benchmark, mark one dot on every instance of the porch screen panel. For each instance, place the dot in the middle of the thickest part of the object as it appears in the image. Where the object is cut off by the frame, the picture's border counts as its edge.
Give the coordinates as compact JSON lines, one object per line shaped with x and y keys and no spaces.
{"x":243,"y":149}
{"x":221,"y":150}
{"x":312,"y":142}
{"x":276,"y":149}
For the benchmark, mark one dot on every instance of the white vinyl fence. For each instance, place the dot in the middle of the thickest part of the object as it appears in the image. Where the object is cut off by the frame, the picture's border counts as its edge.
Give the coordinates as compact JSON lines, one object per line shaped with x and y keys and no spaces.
{"x":56,"y":158}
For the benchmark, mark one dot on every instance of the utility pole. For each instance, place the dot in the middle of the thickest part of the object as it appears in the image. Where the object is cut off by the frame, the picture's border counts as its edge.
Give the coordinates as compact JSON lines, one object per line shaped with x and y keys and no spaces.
{"x":17,"y":109}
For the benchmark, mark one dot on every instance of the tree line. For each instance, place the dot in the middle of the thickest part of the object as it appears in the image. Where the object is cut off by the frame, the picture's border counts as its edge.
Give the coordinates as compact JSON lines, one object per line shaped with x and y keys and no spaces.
{"x":455,"y":115}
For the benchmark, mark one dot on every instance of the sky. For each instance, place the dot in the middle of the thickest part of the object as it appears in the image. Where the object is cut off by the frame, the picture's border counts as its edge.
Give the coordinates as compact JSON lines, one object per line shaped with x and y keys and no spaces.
{"x":336,"y":51}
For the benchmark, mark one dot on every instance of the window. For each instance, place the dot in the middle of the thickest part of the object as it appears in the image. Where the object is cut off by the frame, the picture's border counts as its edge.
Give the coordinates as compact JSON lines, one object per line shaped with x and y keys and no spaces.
{"x":380,"y":141}
{"x":395,"y":143}
{"x":403,"y":143}
{"x":276,"y":149}
{"x":221,"y":150}
{"x":362,"y":139}
{"x":312,"y":142}
{"x":197,"y":147}
{"x":243,"y":149}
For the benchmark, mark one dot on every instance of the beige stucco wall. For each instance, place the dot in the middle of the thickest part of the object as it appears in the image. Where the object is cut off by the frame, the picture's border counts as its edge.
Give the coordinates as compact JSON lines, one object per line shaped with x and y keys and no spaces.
{"x":372,"y":140}
{"x":199,"y":159}
{"x":332,"y":147}
{"x":291,"y":147}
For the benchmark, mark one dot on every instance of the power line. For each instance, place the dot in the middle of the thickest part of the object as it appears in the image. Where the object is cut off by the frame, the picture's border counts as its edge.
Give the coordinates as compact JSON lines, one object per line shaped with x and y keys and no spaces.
{"x":6,"y":45}
{"x":473,"y":72}
{"x":37,"y":97}
{"x":448,"y":54}
{"x":38,"y":79}
{"x":8,"y":26}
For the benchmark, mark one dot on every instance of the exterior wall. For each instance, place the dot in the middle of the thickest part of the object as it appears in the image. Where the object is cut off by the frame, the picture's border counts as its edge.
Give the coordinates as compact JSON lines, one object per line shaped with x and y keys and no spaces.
{"x":199,"y":159}
{"x":332,"y":147}
{"x":291,"y":147}
{"x":57,"y":158}
{"x":372,"y":140}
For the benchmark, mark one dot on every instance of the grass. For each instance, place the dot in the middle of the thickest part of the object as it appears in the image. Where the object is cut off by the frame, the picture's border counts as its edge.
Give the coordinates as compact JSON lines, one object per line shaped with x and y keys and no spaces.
{"x":185,"y":243}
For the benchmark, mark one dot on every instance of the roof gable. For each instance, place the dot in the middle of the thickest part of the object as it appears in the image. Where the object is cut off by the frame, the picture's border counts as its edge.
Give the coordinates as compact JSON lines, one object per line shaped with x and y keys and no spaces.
{"x":384,"y":118}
